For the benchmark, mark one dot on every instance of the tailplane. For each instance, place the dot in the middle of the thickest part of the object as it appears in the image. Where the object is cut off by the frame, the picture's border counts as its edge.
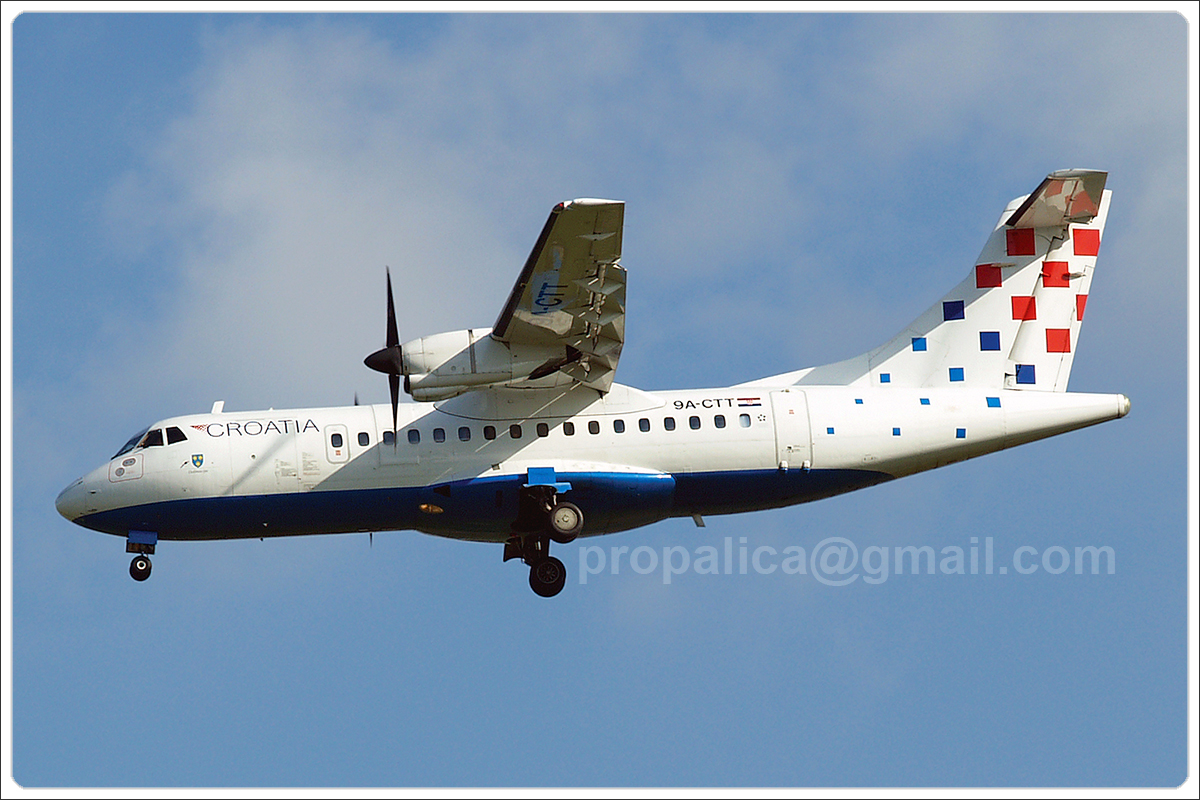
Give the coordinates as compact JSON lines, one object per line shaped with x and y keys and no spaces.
{"x":1014,"y":322}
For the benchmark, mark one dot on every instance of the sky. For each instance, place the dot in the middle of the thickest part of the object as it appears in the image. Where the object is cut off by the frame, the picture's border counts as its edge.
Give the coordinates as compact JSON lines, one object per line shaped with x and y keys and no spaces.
{"x":203,"y":207}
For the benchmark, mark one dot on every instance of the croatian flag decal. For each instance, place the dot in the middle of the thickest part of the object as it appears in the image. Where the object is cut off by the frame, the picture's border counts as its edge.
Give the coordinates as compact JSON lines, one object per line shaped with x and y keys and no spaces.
{"x":747,"y":402}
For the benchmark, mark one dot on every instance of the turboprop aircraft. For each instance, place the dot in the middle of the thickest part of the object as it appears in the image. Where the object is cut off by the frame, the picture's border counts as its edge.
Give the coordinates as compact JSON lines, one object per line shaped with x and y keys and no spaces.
{"x":519,"y":435}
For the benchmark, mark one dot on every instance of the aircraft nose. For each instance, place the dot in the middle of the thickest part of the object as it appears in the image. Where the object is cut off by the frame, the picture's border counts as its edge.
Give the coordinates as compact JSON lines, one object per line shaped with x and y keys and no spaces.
{"x":71,"y":500}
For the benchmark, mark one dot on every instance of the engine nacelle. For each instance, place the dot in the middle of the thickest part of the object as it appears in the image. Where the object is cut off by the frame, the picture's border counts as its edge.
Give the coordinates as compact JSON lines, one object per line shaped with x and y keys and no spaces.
{"x":447,"y":364}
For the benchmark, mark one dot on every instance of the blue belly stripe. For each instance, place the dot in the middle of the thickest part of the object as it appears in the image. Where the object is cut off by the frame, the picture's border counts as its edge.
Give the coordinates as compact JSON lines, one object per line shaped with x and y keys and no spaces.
{"x":479,"y":508}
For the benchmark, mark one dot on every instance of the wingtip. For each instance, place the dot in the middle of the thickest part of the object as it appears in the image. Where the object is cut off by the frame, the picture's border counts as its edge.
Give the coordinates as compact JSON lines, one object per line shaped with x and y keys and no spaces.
{"x":587,"y":201}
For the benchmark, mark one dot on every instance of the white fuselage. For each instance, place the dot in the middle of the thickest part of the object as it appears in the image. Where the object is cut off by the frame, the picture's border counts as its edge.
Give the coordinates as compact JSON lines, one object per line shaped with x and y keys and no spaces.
{"x":630,"y":457}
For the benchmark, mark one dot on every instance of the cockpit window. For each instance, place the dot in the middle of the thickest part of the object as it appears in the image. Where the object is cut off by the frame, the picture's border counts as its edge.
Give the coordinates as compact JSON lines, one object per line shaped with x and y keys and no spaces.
{"x":175,"y":435}
{"x":132,"y":443}
{"x":153,"y":438}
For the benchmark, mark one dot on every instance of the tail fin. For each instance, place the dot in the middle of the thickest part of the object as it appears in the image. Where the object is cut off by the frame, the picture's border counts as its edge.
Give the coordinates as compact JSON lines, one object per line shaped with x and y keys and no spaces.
{"x":1014,"y":321}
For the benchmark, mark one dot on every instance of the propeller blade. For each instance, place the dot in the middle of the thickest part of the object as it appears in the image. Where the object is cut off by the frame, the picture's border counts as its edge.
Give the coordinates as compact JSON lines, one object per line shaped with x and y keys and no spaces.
{"x":390,"y":359}
{"x":393,"y":337}
{"x":394,"y":388}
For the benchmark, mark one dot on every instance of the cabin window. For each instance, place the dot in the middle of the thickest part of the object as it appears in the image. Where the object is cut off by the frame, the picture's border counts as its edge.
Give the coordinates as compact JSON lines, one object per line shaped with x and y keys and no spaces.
{"x":414,"y":436}
{"x":514,"y":431}
{"x":719,"y":420}
{"x":569,"y":428}
{"x":439,"y":435}
{"x":335,"y":439}
{"x":464,"y":434}
{"x":619,"y":425}
{"x":489,"y":432}
{"x":389,"y":437}
{"x":669,"y":423}
{"x":593,"y":426}
{"x":744,"y":420}
{"x":694,"y":423}
{"x":644,"y":425}
{"x":364,"y":438}
{"x":543,"y":429}
{"x":175,"y":435}
{"x":153,"y":438}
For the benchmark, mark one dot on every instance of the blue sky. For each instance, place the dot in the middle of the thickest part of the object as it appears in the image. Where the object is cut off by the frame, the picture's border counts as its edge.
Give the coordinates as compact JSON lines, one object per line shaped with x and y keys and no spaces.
{"x":203,"y":206}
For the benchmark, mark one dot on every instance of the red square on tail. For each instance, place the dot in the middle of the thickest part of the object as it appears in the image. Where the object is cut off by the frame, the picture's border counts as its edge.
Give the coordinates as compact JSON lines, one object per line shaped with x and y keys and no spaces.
{"x":987,"y":276}
{"x":1020,"y":242}
{"x":1024,"y":308}
{"x":1056,"y":274}
{"x":1087,"y":241}
{"x":1080,"y":303}
{"x":1058,"y":340}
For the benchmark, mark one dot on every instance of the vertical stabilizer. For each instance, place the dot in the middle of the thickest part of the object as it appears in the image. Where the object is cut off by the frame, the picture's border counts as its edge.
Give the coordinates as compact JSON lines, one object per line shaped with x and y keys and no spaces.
{"x":1014,"y":320}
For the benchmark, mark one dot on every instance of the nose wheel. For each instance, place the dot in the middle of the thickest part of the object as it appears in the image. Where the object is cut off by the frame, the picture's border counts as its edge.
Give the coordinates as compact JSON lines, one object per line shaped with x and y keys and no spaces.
{"x":139,"y":568}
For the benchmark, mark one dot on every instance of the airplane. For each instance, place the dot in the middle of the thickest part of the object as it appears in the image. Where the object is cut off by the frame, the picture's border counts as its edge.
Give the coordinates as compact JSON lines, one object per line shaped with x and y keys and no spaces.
{"x":520,"y":436}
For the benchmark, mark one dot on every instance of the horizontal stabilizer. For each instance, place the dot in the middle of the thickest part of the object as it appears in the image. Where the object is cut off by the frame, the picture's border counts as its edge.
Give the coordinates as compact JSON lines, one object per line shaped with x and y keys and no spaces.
{"x":1065,"y":196}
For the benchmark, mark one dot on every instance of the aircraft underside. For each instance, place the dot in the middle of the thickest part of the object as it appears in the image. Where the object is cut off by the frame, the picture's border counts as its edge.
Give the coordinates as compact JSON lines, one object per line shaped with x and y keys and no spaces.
{"x":482,"y":509}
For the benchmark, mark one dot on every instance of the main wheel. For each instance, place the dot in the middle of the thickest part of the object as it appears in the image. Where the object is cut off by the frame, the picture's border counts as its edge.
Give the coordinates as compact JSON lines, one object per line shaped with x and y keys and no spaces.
{"x":548,"y":577}
{"x":139,"y":568}
{"x":566,"y":521}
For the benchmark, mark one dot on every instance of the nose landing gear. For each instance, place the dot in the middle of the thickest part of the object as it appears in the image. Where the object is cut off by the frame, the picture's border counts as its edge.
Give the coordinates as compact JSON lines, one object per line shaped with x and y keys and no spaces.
{"x":142,"y":543}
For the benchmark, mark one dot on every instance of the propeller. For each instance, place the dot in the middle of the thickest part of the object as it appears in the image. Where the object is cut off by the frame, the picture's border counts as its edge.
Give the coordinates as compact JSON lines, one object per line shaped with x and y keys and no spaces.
{"x":390,"y":360}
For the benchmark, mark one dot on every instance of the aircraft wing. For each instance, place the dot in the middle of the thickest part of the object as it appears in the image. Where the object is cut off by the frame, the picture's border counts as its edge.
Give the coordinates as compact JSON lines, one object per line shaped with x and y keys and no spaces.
{"x":571,"y":292}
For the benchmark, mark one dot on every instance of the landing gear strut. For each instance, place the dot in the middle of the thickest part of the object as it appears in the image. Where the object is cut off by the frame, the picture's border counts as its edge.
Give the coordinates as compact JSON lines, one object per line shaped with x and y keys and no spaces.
{"x":543,"y":518}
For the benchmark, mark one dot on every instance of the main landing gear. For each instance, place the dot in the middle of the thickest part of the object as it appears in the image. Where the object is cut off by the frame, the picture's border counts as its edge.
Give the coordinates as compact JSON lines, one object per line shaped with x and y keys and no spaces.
{"x":541,"y":519}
